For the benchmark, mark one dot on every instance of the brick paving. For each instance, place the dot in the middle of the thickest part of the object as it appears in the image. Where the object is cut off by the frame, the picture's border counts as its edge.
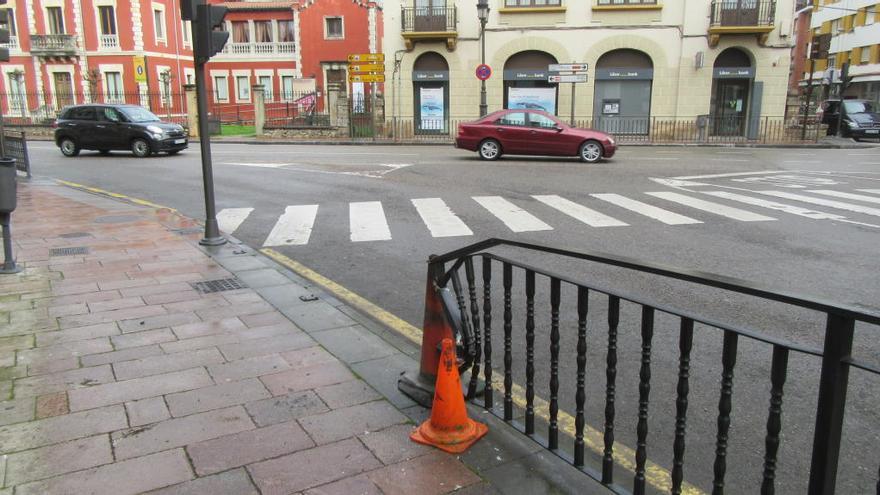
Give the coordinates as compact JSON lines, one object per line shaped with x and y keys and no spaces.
{"x":117,"y":376}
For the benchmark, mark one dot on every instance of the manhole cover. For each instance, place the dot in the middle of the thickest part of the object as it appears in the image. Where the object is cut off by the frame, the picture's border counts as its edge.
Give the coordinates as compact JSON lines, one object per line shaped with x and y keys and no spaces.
{"x":69,"y":251}
{"x":72,"y":235}
{"x":118,"y":219}
{"x":218,"y":285}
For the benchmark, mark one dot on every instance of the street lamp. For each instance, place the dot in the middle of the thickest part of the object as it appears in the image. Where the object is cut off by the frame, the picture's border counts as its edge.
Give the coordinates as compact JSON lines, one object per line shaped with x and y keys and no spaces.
{"x":483,"y":15}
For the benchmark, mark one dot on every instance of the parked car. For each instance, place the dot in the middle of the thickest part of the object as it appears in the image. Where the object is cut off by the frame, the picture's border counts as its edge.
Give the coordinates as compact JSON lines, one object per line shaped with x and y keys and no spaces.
{"x":532,"y":132}
{"x":860,"y":118}
{"x":106,"y":127}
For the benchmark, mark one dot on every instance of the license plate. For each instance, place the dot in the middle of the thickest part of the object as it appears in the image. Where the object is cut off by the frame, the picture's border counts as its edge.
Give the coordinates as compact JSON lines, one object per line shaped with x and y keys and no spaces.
{"x":872,"y":131}
{"x":179,"y":141}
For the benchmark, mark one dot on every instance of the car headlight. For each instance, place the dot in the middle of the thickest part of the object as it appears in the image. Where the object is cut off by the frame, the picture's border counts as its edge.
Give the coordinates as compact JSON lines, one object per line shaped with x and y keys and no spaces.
{"x":853,"y":125}
{"x":155,"y":130}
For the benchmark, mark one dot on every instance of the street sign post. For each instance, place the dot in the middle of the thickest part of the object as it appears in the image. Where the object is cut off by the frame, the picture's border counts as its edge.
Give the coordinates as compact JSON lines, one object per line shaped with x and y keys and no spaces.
{"x":567,"y":78}
{"x":568,"y":68}
{"x":568,"y":73}
{"x":367,"y":78}
{"x":483,"y":72}
{"x":366,"y":57}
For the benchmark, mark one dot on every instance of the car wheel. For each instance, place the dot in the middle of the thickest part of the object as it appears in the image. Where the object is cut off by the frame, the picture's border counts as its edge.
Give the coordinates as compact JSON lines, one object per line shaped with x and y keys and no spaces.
{"x":591,"y":151}
{"x":140,"y":148}
{"x":489,"y":149}
{"x":68,"y":147}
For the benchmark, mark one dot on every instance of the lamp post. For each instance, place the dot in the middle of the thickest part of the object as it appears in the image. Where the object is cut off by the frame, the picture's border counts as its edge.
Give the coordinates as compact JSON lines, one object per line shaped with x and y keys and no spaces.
{"x":483,"y":15}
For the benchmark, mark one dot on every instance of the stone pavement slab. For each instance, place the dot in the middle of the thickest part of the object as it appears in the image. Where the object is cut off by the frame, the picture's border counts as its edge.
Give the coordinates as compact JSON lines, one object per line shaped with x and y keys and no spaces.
{"x":118,"y":377}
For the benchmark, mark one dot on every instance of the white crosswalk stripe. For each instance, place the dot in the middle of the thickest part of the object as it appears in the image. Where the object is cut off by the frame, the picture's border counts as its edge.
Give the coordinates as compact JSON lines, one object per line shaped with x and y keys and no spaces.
{"x":439,"y":219}
{"x":516,"y":219}
{"x":872,"y":191}
{"x":794,"y":210}
{"x":824,"y":202}
{"x":230,"y":219}
{"x":367,"y":222}
{"x":708,"y":206}
{"x":845,"y":195}
{"x":580,"y":212}
{"x":665,"y":216}
{"x":294,"y":227}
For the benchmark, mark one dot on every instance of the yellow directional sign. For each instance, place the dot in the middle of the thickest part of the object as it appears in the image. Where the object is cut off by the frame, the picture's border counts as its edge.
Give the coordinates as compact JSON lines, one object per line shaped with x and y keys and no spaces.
{"x":367,"y":57}
{"x":140,"y":69}
{"x":366,"y":68}
{"x":367,"y":78}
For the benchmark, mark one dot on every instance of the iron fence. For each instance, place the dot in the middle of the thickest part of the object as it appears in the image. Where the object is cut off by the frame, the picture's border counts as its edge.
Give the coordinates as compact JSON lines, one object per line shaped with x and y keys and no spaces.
{"x":579,"y":319}
{"x":15,"y":146}
{"x":650,"y":130}
{"x":42,"y":108}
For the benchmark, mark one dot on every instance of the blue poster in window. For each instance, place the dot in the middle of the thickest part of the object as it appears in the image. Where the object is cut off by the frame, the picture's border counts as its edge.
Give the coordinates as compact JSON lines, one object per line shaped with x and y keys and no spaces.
{"x":431,"y":109}
{"x":532,"y":99}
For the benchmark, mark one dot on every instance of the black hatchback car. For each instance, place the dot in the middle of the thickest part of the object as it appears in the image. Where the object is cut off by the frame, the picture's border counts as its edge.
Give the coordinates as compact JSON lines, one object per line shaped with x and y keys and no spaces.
{"x":106,"y":127}
{"x":860,"y":118}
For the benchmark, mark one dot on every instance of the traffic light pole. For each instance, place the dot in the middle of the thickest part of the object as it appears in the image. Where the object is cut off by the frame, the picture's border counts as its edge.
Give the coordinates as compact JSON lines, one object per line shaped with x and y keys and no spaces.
{"x":844,"y":76}
{"x":212,"y":229}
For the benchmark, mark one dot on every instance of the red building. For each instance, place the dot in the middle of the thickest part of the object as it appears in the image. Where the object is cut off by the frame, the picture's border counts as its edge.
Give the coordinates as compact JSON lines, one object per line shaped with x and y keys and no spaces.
{"x":66,"y":52}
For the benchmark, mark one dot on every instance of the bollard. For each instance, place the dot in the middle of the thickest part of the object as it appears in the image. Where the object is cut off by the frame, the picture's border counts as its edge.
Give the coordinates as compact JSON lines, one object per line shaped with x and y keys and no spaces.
{"x":7,"y":206}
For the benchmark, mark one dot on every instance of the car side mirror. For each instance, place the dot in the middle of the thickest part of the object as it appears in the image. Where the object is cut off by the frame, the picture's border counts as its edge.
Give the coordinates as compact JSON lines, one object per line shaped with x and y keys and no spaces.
{"x":558,"y":128}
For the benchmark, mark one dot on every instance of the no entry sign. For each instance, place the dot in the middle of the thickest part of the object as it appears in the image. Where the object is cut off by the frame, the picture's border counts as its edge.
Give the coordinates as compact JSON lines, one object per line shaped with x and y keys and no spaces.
{"x":483,"y":72}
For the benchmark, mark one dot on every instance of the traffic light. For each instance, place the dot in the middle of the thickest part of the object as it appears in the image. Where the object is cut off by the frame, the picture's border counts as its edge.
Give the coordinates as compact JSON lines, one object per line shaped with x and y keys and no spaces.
{"x":209,"y":39}
{"x":4,"y":33}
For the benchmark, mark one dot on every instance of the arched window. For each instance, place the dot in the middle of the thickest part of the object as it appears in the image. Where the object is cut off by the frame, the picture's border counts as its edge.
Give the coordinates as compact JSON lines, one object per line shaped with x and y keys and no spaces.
{"x":622,"y":96}
{"x":525,"y":81}
{"x":430,"y":79}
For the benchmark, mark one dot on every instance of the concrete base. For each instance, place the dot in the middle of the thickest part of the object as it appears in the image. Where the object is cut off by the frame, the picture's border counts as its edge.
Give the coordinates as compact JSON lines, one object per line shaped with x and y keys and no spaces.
{"x":421,"y":390}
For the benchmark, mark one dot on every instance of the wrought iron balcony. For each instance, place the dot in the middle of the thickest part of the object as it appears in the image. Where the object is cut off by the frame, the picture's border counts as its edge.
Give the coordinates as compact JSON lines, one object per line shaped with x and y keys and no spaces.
{"x":741,"y":17}
{"x":429,"y":24}
{"x":58,"y":45}
{"x":261,"y":48}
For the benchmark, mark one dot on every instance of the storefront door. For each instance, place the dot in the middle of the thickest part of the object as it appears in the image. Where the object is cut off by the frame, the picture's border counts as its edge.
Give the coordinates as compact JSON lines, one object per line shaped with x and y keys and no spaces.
{"x":63,"y":89}
{"x":731,"y":105}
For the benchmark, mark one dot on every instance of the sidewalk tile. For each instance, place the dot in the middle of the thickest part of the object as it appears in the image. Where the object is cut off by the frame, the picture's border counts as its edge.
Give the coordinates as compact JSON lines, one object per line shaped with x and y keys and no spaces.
{"x":264,"y":277}
{"x":263,"y":319}
{"x":310,"y":356}
{"x":285,"y":408}
{"x":261,"y":347}
{"x":68,"y":349}
{"x":172,"y":297}
{"x":299,"y":379}
{"x":243,"y":296}
{"x":78,"y":333}
{"x":347,"y":394}
{"x":139,"y":339}
{"x":276,"y":330}
{"x":224,"y":395}
{"x":241,"y":263}
{"x":166,"y":363}
{"x":62,"y":458}
{"x":393,"y":445}
{"x":52,"y":405}
{"x":17,"y":410}
{"x":139,"y":388}
{"x":247,"y":368}
{"x":284,"y":296}
{"x":229,"y":311}
{"x":432,"y":474}
{"x":169,"y":320}
{"x":200,"y":342}
{"x":204,"y":328}
{"x":146,"y":287}
{"x":249,"y":446}
{"x":68,"y":310}
{"x":354,"y":344}
{"x":313,"y":467}
{"x":67,"y":289}
{"x":357,"y":485}
{"x":112,"y":315}
{"x":128,"y":302}
{"x":146,"y":411}
{"x":57,"y":429}
{"x":16,"y":343}
{"x":65,"y":380}
{"x":179,"y":432}
{"x":121,"y":355}
{"x":382,"y":374}
{"x":122,"y":478}
{"x":350,"y":421}
{"x":234,"y":482}
{"x":79,"y":298}
{"x":318,"y":315}
{"x":204,"y":305}
{"x":125,"y":284}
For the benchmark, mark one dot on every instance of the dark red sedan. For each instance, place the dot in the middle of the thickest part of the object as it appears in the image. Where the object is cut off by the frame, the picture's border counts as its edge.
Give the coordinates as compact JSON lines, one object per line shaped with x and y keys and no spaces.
{"x":532,"y":132}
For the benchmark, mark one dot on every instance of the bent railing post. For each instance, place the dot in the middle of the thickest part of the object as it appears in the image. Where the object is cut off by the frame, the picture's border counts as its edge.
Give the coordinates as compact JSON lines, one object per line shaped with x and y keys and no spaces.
{"x":832,"y":404}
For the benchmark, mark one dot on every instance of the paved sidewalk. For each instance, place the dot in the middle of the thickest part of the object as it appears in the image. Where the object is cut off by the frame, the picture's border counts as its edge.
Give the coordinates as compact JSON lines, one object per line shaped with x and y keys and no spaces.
{"x":120,"y":373}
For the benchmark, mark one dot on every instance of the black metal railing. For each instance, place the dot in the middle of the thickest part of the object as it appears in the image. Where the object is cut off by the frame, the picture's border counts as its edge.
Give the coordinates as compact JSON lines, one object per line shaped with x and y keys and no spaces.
{"x":428,"y":19}
{"x":15,"y":146}
{"x":742,"y":13}
{"x":42,"y":108}
{"x":640,"y":333}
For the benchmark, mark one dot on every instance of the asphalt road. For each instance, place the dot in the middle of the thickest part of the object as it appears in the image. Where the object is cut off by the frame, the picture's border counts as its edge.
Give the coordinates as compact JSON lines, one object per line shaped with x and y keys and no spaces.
{"x":762,"y":234}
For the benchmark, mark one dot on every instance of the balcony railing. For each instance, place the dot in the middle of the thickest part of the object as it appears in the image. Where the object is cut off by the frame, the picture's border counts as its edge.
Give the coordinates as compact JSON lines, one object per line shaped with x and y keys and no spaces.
{"x":270,"y":48}
{"x":13,"y":43}
{"x":53,"y":44}
{"x":109,"y":41}
{"x":429,"y":19}
{"x":742,"y":13}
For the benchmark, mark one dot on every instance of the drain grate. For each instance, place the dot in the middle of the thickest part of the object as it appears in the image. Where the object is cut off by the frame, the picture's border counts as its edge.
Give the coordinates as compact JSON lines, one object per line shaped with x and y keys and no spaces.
{"x":69,"y":251}
{"x":218,"y":285}
{"x":72,"y":235}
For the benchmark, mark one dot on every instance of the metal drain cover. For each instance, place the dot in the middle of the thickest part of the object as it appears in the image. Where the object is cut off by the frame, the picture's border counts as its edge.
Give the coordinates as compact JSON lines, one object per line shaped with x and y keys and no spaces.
{"x":69,"y":251}
{"x":219,"y":285}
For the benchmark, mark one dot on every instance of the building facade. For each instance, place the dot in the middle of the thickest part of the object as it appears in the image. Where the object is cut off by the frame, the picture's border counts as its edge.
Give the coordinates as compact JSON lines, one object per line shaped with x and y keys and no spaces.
{"x":66,"y":52}
{"x":854,"y":26}
{"x":725,"y":60}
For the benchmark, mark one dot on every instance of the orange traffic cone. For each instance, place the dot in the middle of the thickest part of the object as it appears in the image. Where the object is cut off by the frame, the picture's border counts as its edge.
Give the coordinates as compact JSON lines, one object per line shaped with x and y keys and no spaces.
{"x":449,"y":428}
